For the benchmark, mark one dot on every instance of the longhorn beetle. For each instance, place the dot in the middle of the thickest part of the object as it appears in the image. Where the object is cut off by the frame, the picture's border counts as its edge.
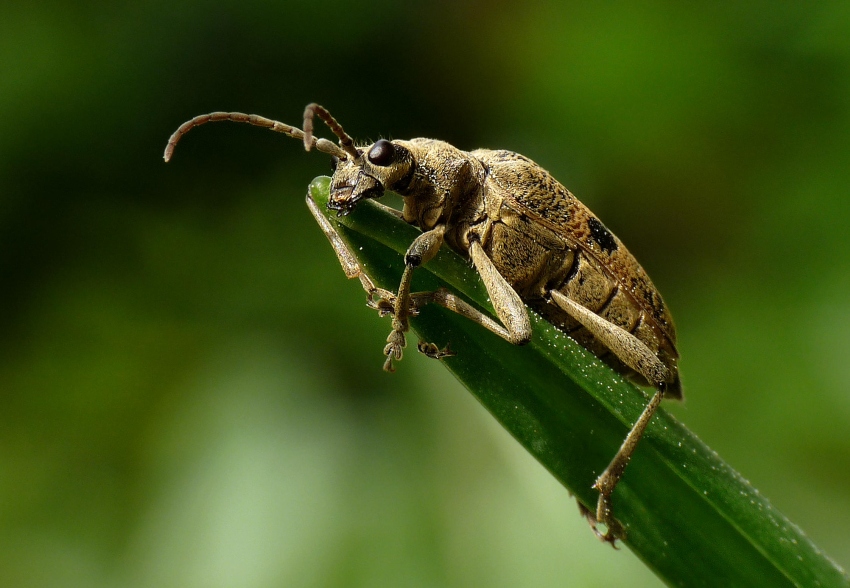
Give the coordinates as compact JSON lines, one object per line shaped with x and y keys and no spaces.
{"x":531,"y":241}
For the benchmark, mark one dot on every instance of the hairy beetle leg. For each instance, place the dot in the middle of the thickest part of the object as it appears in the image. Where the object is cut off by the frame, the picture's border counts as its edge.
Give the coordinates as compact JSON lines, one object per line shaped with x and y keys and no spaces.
{"x":347,"y":260}
{"x":609,"y":479}
{"x":634,"y":353}
{"x":514,"y":325}
{"x":422,"y":250}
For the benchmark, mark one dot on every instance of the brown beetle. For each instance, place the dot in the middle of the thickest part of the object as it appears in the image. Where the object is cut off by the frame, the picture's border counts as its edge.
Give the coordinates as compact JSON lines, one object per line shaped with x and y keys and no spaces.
{"x":531,"y":241}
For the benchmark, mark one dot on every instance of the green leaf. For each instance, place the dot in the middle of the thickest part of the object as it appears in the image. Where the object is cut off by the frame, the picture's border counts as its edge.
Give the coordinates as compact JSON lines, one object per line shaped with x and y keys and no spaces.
{"x":689,"y":516}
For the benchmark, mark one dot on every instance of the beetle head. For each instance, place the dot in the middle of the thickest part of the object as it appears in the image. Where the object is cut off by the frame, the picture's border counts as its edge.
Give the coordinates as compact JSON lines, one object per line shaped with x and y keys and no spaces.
{"x":381,"y":166}
{"x":358,"y":173}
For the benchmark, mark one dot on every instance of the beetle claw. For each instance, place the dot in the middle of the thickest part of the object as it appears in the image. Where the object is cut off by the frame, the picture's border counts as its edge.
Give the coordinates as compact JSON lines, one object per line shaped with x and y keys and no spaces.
{"x":614,"y":529}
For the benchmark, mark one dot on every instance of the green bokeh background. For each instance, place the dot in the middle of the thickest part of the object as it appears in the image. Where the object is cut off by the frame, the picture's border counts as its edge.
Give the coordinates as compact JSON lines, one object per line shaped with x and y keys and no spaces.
{"x":191,"y":392}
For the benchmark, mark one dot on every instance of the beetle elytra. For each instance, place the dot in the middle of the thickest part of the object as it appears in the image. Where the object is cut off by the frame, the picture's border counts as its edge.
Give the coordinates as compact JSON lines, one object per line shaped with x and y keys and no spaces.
{"x":531,"y":241}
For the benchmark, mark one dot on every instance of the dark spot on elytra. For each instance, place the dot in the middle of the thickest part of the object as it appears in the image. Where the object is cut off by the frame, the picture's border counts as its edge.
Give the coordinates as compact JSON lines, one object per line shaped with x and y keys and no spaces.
{"x":602,"y":235}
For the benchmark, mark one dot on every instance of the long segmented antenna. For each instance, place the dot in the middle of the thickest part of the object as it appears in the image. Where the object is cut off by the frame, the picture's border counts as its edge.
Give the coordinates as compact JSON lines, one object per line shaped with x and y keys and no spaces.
{"x":322,"y":145}
{"x":317,"y":110}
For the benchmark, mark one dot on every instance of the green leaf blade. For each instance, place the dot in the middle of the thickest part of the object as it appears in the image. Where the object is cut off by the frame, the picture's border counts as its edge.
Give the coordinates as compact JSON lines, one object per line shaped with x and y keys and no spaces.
{"x":689,"y":516}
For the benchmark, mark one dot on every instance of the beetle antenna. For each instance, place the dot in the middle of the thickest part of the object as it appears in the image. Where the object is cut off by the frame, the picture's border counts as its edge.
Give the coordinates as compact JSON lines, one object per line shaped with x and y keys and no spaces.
{"x":322,"y":145}
{"x":345,"y":140}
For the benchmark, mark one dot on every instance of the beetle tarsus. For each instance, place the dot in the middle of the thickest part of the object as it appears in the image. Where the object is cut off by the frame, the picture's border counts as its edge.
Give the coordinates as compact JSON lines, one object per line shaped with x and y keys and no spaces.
{"x":433,"y":351}
{"x":394,"y":350}
{"x":614,"y":528}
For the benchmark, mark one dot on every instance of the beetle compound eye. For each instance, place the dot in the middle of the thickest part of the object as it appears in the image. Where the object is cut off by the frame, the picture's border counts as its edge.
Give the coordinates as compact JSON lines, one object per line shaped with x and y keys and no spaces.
{"x":382,"y":153}
{"x":334,"y":162}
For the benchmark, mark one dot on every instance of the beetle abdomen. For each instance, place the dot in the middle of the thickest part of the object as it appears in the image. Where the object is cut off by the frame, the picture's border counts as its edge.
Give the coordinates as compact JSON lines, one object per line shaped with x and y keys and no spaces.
{"x":541,"y":238}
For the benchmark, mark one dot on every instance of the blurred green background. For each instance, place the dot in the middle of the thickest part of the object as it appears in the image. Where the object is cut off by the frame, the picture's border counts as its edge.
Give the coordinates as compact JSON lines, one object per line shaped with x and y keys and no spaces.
{"x":191,"y":391}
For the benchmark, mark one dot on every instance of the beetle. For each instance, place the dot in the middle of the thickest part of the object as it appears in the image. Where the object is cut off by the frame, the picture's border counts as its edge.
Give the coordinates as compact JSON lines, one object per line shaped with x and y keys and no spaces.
{"x":531,"y":241}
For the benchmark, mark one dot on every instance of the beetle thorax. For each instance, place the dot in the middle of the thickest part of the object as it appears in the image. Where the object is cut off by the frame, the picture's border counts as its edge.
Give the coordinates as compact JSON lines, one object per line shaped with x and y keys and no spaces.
{"x":439,"y":182}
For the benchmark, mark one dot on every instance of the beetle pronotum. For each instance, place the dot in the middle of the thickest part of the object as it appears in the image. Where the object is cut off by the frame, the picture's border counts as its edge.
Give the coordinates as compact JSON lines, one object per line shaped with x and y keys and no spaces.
{"x":531,"y":241}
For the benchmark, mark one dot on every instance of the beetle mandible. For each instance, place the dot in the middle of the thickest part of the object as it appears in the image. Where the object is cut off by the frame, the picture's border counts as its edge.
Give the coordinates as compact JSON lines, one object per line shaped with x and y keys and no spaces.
{"x":531,"y":241}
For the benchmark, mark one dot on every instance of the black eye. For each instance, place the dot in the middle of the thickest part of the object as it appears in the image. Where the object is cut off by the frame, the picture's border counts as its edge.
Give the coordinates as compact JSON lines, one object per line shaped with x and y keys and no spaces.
{"x":382,"y":153}
{"x":334,"y":162}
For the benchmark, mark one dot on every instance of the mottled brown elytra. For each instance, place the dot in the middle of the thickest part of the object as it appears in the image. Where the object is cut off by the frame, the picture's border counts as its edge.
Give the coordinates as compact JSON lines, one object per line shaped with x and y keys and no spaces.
{"x":531,"y":241}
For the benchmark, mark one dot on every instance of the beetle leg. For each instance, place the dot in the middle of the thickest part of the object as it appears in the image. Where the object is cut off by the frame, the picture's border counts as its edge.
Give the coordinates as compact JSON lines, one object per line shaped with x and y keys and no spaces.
{"x":609,"y":479}
{"x":634,"y":353}
{"x":513,"y":325}
{"x":347,"y":260}
{"x":508,"y":305}
{"x":629,"y":349}
{"x":422,"y":250}
{"x":455,"y":303}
